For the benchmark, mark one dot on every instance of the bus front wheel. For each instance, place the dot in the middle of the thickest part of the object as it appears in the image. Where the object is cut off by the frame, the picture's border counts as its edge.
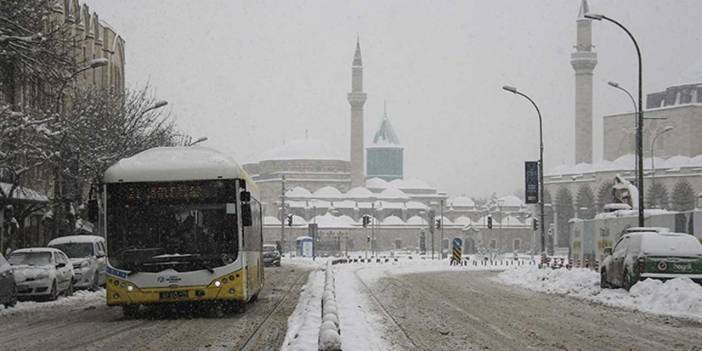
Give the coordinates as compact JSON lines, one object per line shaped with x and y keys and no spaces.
{"x":130,"y":311}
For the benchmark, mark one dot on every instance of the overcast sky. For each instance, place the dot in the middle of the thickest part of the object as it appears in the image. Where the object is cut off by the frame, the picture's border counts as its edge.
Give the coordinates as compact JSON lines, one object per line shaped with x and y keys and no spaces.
{"x":250,"y":74}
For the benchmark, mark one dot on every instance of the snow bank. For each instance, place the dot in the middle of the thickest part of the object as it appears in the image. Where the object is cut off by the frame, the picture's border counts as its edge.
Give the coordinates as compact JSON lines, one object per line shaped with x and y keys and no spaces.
{"x":680,"y":297}
{"x":80,"y":298}
{"x":329,"y":335}
{"x":304,"y":322}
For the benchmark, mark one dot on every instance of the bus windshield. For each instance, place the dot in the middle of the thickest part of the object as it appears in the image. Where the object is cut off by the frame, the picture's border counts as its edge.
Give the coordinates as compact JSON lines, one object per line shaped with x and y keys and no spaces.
{"x":156,"y":234}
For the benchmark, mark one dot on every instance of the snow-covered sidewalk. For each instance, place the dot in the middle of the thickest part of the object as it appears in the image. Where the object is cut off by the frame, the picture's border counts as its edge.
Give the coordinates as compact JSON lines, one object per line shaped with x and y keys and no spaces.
{"x":680,"y":297}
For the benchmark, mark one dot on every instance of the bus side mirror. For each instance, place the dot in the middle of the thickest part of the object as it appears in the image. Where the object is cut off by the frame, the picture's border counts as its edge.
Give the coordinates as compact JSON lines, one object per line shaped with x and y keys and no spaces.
{"x":245,"y":198}
{"x":246,"y":219}
{"x":93,"y":211}
{"x":607,"y":251}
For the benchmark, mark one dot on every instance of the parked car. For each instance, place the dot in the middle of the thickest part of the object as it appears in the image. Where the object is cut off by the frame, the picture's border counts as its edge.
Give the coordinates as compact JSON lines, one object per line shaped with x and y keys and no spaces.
{"x":87,"y":255}
{"x":41,"y":273}
{"x":271,"y":256}
{"x":8,"y":287}
{"x":638,"y":256}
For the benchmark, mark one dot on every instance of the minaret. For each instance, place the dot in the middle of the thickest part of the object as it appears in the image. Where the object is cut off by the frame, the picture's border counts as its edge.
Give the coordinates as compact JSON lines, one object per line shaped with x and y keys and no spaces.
{"x":583,"y":61}
{"x":357,"y":98}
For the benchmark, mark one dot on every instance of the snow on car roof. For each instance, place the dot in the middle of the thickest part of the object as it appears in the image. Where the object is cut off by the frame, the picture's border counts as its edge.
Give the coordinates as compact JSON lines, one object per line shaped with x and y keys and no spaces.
{"x":175,"y":164}
{"x":36,"y":249}
{"x":670,"y":244}
{"x":75,"y":239}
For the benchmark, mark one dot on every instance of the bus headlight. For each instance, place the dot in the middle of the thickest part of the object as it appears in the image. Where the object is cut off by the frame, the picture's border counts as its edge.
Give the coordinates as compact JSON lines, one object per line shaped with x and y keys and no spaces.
{"x":130,"y":288}
{"x":217,"y":283}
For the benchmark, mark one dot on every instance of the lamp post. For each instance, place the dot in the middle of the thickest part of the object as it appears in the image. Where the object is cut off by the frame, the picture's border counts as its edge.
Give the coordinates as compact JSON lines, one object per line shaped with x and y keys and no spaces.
{"x":514,"y":90}
{"x":639,"y":125}
{"x":617,"y":86}
{"x":653,"y":155}
{"x":92,"y":64}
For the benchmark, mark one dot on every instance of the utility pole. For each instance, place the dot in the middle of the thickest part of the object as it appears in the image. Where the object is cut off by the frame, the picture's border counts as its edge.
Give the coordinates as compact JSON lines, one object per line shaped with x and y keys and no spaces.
{"x":430,"y":220}
{"x":373,"y":231}
{"x":282,"y":215}
{"x":441,"y":228}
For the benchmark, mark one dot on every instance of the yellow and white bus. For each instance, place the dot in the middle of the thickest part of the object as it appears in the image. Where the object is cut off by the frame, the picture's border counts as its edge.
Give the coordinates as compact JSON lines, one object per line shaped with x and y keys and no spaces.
{"x":183,"y":224}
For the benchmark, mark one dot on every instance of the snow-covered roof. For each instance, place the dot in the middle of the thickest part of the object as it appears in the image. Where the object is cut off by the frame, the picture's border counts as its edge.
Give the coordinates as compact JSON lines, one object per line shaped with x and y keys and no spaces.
{"x":376,"y":183}
{"x":270,"y":220}
{"x":298,"y":221}
{"x":301,"y":149}
{"x":510,"y":201}
{"x":327,"y":192}
{"x":319,"y":203}
{"x":393,"y":220}
{"x":174,"y":164}
{"x":627,"y":162}
{"x":416,"y":220}
{"x":359,"y":192}
{"x":389,"y":205}
{"x":461,"y":201}
{"x":393,"y":194}
{"x":75,"y":239}
{"x":330,"y":221}
{"x":511,"y":221}
{"x":462,"y":220}
{"x":415,"y":205}
{"x":385,"y":136}
{"x":296,"y":204}
{"x":298,"y":192}
{"x":24,"y":193}
{"x":412,"y":183}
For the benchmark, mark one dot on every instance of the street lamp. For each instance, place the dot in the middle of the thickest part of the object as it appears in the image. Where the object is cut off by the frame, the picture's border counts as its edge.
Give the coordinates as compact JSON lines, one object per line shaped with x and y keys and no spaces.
{"x":617,"y":86}
{"x":199,"y":140}
{"x":653,"y":156}
{"x":639,"y":125}
{"x":92,"y":64}
{"x":514,"y":90}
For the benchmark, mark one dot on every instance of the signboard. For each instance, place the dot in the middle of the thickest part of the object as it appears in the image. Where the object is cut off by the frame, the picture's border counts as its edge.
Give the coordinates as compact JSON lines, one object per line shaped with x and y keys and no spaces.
{"x":531,"y":175}
{"x":216,"y":191}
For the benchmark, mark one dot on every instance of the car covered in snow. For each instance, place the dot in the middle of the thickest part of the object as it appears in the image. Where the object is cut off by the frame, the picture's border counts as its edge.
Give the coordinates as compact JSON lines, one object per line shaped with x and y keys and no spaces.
{"x":8,"y":287}
{"x":271,"y":256}
{"x":86,"y":253}
{"x":41,"y":273}
{"x":638,"y":256}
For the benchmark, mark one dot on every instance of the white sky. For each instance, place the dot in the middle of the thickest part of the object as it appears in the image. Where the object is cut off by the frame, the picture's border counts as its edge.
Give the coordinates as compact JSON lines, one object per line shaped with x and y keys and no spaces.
{"x":249,"y":74}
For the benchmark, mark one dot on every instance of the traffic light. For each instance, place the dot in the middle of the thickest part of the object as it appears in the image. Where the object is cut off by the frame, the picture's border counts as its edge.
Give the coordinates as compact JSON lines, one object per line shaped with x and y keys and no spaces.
{"x":8,"y":213}
{"x":489,"y":219}
{"x":366,"y":220}
{"x":290,"y":220}
{"x":535,"y":221}
{"x":438,"y":224}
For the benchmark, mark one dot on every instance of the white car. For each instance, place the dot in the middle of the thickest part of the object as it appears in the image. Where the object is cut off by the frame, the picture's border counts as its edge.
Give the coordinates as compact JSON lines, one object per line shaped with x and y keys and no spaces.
{"x":41,"y":272}
{"x":87,"y":255}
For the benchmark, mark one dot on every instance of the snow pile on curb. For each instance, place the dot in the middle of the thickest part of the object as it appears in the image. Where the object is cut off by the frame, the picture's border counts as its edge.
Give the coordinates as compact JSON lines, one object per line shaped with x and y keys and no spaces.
{"x":304,"y":322}
{"x":329,"y":334}
{"x":680,"y":297}
{"x":80,"y":298}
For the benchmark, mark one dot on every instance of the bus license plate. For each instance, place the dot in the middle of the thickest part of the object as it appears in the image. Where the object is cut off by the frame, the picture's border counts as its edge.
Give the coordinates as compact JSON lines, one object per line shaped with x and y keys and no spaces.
{"x":682,"y":267}
{"x":171,"y":295}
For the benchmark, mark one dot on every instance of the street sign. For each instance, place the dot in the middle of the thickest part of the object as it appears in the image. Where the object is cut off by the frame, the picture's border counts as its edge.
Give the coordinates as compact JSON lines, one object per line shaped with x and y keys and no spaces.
{"x":531,"y":176}
{"x":457,"y":251}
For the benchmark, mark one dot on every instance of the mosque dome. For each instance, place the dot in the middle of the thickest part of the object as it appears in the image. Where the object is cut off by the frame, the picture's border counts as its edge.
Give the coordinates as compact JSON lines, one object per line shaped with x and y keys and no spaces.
{"x":301,"y":149}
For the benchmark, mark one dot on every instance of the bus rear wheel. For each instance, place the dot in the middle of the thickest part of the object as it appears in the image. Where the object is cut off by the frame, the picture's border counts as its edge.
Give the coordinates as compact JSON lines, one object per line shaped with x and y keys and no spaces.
{"x":130,"y":311}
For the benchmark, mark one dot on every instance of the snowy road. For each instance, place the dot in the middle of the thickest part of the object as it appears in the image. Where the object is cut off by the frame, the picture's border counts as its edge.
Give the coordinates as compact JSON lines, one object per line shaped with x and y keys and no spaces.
{"x":85,"y":323}
{"x":468,"y":310}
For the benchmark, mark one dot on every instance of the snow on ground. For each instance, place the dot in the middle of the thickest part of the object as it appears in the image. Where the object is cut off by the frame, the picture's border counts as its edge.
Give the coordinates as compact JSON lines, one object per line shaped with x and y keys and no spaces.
{"x":361,"y":322}
{"x":680,"y":297}
{"x":82,"y":298}
{"x":304,"y":322}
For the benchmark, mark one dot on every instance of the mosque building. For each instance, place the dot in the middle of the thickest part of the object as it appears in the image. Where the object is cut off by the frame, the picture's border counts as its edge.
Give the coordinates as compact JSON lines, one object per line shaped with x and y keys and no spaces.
{"x":672,"y":147}
{"x":335,"y":192}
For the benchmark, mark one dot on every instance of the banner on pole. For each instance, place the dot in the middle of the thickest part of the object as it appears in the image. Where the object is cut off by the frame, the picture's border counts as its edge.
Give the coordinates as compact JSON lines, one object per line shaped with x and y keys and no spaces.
{"x":531,"y":176}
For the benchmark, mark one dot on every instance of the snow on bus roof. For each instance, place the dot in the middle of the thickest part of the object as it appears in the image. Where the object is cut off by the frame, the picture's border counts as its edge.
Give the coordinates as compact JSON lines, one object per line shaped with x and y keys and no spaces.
{"x":71,"y":239}
{"x":175,"y":164}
